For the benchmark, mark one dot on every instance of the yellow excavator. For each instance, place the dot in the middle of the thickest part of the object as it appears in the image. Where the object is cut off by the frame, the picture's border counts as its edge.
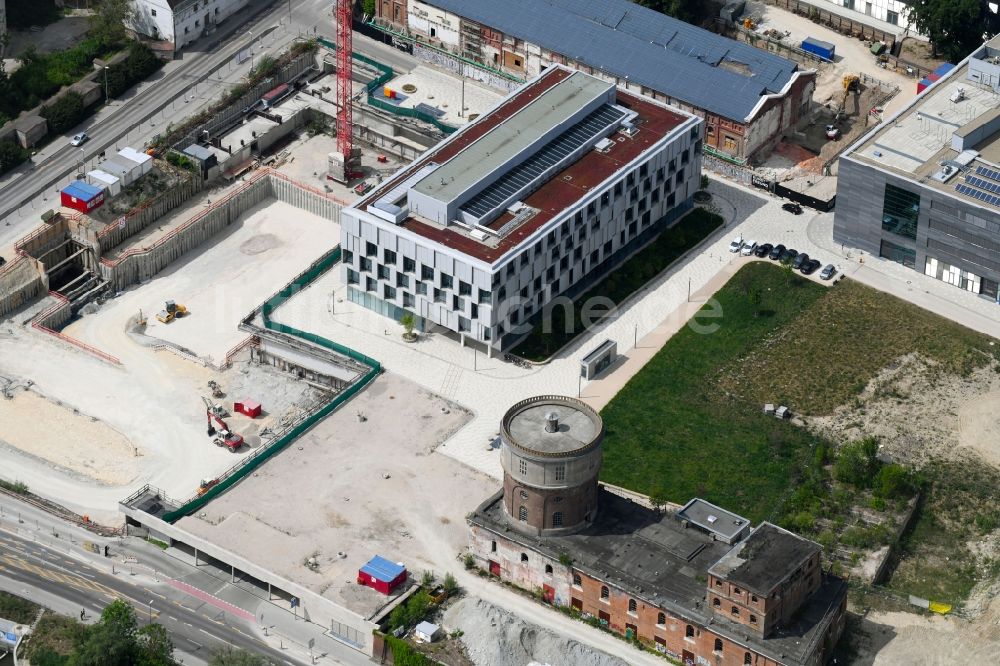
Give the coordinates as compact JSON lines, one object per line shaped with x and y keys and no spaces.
{"x":172,"y":311}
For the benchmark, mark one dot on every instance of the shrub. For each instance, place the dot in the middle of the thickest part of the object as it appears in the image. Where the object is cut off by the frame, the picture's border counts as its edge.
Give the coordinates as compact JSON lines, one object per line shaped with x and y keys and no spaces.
{"x":893,"y":481}
{"x":469,"y":561}
{"x":11,"y":154}
{"x":450,"y":585}
{"x":856,"y":463}
{"x":65,"y":113}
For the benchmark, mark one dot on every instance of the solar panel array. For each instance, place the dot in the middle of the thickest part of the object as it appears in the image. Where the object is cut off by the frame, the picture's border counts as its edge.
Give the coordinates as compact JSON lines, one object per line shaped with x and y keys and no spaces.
{"x":987,"y":185}
{"x":978,"y":194}
{"x":596,"y":123}
{"x":992,"y":174}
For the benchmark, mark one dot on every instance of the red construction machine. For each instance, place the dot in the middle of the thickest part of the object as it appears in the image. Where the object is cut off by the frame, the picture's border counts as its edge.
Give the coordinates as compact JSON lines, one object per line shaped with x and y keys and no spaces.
{"x":222,"y":436}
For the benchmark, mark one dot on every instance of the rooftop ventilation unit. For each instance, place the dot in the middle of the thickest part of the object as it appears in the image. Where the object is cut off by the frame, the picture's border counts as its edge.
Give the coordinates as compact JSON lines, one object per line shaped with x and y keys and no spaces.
{"x":604,"y":145}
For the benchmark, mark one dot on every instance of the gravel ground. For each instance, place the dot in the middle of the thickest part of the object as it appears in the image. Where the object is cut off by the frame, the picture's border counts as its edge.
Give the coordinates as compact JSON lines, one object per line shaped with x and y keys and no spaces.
{"x":496,"y":637}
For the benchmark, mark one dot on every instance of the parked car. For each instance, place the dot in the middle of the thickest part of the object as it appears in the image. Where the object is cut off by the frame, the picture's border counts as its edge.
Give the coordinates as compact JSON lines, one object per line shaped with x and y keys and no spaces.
{"x":800,"y":260}
{"x":809,"y":267}
{"x":793,"y":208}
{"x":776,"y":252}
{"x":79,"y":139}
{"x":736,"y":245}
{"x":763,"y":250}
{"x":828,"y":272}
{"x":748,"y":248}
{"x":788,"y":256}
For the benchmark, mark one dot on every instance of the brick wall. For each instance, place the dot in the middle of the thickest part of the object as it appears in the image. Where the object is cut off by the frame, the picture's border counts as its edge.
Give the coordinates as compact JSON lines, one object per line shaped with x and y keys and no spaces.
{"x":543,"y":504}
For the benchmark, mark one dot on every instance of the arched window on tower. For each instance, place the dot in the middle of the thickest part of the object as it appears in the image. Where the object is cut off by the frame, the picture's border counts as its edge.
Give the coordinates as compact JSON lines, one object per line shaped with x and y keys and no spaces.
{"x":522,"y":514}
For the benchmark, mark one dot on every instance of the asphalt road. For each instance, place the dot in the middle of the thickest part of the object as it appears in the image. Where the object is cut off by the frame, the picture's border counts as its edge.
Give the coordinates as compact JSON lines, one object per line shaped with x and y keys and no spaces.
{"x":196,"y":629}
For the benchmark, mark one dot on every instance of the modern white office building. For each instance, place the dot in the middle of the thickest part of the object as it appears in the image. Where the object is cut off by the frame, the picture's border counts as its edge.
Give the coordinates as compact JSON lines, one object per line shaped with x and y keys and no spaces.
{"x":539,"y":197}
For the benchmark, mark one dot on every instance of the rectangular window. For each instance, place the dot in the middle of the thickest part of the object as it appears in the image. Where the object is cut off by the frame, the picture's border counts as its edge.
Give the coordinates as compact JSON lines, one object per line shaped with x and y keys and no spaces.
{"x":900,"y":209}
{"x":352,"y":276}
{"x":464,"y":288}
{"x":366,"y":264}
{"x":464,"y":324}
{"x":439,"y":296}
{"x":560,"y":472}
{"x":898,"y":253}
{"x":892,"y":17}
{"x":370,"y":284}
{"x":474,"y":311}
{"x":389,"y":292}
{"x":370,"y":249}
{"x":402,"y":280}
{"x":446,"y":281}
{"x":484,"y":296}
{"x":347,"y":257}
{"x":152,"y":12}
{"x":422,"y":288}
{"x":458,"y":303}
{"x":426,"y":272}
{"x":409,"y":265}
{"x":408,"y":301}
{"x":389,"y":256}
{"x":383,"y":273}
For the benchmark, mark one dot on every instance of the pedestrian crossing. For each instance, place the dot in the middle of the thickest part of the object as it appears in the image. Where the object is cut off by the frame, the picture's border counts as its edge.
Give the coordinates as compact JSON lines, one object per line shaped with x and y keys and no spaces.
{"x":8,"y":561}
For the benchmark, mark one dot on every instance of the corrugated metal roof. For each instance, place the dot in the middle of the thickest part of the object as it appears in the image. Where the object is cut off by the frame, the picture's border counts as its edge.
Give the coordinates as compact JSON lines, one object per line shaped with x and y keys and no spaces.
{"x":82,"y":190}
{"x":652,"y":49}
{"x":382,"y":569}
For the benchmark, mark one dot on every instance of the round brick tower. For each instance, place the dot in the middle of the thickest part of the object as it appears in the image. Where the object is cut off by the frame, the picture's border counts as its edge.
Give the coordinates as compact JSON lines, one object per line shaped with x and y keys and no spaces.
{"x":551,"y":456}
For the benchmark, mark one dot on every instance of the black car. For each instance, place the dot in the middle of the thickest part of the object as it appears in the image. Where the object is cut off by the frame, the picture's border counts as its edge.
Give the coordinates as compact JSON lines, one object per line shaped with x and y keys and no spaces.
{"x":800,"y":260}
{"x":776,"y":252}
{"x":809,"y":267}
{"x":793,"y":208}
{"x":788,"y":256}
{"x":762,"y":250}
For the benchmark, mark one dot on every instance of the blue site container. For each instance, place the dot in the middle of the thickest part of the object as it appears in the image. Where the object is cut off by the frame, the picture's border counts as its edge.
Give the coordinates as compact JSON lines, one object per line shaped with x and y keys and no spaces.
{"x":818,"y":47}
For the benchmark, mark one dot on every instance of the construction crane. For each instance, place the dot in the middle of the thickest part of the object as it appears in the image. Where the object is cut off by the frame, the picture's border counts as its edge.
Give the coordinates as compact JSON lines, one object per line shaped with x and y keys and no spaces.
{"x":345,"y":89}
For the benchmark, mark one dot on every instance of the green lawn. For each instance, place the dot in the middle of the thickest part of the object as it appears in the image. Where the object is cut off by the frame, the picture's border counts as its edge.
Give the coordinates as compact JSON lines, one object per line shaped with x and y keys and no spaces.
{"x":622,"y":283}
{"x":673,"y":428}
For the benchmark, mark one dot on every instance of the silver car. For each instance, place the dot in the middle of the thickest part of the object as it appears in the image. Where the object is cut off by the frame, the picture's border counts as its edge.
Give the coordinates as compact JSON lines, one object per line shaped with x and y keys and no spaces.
{"x":828,"y":272}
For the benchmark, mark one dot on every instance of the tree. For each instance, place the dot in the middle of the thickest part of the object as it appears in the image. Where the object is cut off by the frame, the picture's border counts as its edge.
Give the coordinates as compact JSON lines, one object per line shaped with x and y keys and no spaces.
{"x":689,"y":11}
{"x":154,"y":646}
{"x":368,"y":7}
{"x":230,"y":656}
{"x":11,"y":154}
{"x":408,"y":323}
{"x":63,"y":114}
{"x":107,"y":24}
{"x":659,"y":498}
{"x":955,"y":27}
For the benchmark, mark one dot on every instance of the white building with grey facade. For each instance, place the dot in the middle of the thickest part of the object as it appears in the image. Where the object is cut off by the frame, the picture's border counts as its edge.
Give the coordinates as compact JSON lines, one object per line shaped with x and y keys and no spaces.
{"x":923,"y":188}
{"x":538,"y":198}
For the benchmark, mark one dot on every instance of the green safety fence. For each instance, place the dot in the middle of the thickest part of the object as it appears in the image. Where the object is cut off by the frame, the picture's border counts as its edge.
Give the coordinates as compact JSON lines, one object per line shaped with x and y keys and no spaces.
{"x":374,"y":368}
{"x":385,"y":76}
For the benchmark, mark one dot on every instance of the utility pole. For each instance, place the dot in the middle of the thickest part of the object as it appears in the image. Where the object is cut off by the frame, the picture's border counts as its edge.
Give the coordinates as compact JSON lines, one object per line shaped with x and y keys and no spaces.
{"x":106,"y":95}
{"x":461,"y":108}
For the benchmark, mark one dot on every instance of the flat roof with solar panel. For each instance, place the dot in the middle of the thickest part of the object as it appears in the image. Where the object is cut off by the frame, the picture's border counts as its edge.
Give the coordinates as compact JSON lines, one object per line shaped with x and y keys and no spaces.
{"x":490,"y":185}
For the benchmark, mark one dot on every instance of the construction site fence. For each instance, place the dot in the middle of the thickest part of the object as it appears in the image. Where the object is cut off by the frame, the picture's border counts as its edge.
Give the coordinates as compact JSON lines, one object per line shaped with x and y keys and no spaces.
{"x":20,"y":282}
{"x":238,"y":472}
{"x":132,"y":222}
{"x":139,"y":264}
{"x":58,"y":314}
{"x":841,"y":24}
{"x":307,"y":198}
{"x":385,"y":75}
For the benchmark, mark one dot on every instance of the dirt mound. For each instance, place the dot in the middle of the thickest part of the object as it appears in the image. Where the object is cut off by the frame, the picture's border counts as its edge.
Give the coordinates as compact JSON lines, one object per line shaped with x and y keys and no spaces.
{"x":495,"y":637}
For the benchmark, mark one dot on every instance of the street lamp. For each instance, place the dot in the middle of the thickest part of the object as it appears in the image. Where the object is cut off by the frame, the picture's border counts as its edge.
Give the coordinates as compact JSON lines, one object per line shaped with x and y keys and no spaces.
{"x":83,"y":159}
{"x":106,"y":95}
{"x":150,"y":608}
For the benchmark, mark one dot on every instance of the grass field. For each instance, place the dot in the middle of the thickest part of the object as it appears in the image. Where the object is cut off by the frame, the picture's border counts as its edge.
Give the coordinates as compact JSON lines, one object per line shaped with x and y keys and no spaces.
{"x":673,"y":428}
{"x":16,"y":609}
{"x":549,"y":336}
{"x":842,"y":342}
